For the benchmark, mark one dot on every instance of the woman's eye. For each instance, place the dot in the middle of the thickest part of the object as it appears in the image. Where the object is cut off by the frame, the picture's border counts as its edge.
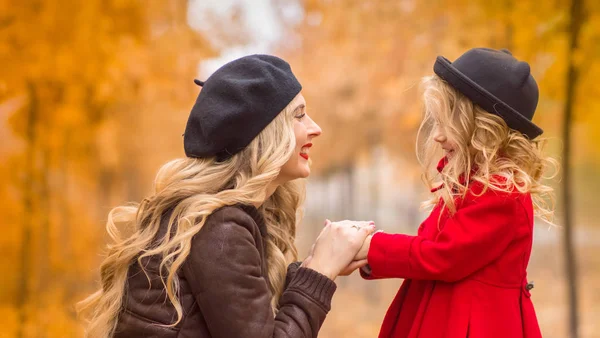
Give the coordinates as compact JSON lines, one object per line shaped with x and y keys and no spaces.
{"x":300,"y":116}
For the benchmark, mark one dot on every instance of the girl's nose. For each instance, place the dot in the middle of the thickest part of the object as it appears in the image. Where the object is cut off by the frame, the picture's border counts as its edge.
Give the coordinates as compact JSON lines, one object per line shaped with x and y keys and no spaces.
{"x":439,"y":136}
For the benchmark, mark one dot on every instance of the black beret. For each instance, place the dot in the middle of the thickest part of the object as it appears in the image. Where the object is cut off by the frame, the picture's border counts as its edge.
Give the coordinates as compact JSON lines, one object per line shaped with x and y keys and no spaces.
{"x":236,"y":103}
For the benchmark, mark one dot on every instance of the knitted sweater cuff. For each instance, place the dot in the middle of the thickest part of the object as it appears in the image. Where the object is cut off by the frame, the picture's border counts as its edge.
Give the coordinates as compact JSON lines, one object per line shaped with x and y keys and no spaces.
{"x":315,"y":285}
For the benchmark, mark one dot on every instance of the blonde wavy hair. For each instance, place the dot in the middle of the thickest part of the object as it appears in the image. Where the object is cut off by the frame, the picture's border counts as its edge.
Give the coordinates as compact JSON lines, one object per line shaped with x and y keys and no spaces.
{"x":194,"y":188}
{"x":487,"y":151}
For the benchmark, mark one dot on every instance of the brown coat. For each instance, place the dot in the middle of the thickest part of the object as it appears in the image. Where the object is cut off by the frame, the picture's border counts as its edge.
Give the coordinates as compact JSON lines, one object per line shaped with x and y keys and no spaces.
{"x":223,"y":288}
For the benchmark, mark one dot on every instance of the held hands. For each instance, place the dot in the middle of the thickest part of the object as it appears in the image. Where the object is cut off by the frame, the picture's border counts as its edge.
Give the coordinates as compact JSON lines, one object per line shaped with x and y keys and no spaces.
{"x":360,"y":259}
{"x":364,"y":249}
{"x":341,"y":248}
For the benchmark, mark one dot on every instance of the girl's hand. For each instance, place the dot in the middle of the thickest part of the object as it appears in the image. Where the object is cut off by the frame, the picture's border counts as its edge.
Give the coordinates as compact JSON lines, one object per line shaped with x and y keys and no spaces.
{"x":364,"y":249}
{"x":352,"y":267}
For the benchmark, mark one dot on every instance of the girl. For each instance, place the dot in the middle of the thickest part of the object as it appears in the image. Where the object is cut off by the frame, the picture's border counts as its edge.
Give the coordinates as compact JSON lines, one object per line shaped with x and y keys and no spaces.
{"x":465,"y":271}
{"x":210,"y":248}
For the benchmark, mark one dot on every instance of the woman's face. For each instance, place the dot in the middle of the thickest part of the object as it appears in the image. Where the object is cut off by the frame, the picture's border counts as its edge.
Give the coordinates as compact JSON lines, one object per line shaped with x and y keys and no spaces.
{"x":305,"y":130}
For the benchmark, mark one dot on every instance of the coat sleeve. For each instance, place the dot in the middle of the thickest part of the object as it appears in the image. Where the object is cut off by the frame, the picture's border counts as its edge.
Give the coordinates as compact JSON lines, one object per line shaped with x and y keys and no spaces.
{"x":224,"y":271}
{"x":292,"y":270}
{"x":474,"y":236}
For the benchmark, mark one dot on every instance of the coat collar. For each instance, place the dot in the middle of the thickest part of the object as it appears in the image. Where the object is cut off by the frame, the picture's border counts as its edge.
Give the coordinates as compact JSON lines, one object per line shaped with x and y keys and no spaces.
{"x":256,"y":215}
{"x":440,"y":167}
{"x":461,"y":179}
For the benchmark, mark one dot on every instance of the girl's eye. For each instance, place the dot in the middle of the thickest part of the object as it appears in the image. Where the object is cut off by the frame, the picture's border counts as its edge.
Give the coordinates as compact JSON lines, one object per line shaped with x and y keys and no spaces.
{"x":299,"y":117}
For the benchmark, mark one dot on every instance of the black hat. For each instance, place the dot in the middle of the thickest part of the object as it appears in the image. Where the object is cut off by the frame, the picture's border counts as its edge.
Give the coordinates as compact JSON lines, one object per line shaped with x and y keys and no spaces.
{"x":496,"y":81}
{"x":236,"y":103}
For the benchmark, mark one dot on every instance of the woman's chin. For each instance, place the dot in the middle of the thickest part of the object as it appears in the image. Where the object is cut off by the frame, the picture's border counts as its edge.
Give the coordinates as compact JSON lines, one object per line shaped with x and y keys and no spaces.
{"x":304,"y":171}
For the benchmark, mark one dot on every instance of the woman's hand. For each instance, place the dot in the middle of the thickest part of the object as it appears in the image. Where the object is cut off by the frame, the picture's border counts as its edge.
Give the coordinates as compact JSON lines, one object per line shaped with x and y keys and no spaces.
{"x":336,"y":247}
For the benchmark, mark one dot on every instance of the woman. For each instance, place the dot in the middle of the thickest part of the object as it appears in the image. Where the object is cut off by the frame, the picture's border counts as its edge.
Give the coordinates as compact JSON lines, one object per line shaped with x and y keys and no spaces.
{"x":211,"y":248}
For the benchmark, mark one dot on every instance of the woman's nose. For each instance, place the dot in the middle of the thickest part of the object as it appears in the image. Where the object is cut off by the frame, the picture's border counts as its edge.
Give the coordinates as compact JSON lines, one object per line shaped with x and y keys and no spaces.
{"x":314,"y":130}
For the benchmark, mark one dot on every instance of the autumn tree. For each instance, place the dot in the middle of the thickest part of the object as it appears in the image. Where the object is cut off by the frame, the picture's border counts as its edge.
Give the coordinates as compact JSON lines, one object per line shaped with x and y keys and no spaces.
{"x":82,"y":84}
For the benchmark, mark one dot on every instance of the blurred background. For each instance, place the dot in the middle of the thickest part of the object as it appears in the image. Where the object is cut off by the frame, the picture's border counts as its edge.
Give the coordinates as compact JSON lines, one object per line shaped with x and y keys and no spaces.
{"x":94,"y":96}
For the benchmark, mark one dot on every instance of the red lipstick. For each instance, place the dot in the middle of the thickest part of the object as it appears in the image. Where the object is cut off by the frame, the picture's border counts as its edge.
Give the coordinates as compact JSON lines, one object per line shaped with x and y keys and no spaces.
{"x":305,"y":156}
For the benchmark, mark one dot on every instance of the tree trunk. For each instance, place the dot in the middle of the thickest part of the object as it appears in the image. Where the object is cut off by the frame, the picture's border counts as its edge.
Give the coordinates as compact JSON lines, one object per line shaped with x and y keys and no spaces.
{"x":509,"y":32}
{"x":43,"y":282}
{"x":567,"y":185}
{"x":28,"y":209}
{"x":66,"y":246}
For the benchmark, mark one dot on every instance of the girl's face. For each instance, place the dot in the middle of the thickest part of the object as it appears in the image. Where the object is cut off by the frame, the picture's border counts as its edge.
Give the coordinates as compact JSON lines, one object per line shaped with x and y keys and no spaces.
{"x":439,"y":135}
{"x":305,"y":129}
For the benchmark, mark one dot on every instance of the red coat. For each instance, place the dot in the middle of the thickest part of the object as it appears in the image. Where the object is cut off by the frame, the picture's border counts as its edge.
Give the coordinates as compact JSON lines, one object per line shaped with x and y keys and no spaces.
{"x":467,"y":279}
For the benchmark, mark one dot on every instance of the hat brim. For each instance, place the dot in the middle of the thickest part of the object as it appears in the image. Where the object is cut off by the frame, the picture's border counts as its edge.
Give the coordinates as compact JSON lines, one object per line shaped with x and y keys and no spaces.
{"x":444,"y":69}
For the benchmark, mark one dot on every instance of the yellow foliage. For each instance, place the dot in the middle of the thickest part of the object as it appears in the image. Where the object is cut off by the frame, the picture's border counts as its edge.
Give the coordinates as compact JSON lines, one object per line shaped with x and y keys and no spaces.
{"x":80,"y":67}
{"x":94,"y":96}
